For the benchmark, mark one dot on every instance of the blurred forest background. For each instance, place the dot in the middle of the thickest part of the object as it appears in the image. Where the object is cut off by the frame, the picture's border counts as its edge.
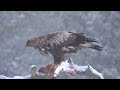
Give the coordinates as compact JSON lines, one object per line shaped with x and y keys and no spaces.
{"x":16,"y":27}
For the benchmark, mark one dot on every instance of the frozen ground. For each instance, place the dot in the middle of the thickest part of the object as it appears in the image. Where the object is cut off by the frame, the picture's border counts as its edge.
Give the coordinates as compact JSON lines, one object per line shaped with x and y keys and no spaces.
{"x":16,"y":27}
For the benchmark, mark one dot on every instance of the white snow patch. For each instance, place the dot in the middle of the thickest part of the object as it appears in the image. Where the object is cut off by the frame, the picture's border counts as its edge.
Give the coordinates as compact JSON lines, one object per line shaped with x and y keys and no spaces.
{"x":69,"y":67}
{"x":64,"y":66}
{"x":80,"y":68}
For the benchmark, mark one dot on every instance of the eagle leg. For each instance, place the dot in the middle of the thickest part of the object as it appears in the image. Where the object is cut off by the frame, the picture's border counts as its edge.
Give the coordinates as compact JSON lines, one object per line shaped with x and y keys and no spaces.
{"x":43,"y":51}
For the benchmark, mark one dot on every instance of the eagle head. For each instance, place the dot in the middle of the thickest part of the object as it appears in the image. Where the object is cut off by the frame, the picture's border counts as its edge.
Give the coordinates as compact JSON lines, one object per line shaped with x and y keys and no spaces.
{"x":34,"y":42}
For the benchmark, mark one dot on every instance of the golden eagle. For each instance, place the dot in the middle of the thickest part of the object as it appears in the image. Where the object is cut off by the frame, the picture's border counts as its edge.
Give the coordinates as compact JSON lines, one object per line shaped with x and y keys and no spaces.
{"x":60,"y":43}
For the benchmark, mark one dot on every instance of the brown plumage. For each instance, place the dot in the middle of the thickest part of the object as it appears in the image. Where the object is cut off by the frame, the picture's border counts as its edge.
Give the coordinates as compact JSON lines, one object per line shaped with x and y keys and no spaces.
{"x":60,"y":43}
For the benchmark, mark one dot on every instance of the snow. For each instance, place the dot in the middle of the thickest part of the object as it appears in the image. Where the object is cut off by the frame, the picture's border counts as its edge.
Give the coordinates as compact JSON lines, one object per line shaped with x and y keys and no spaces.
{"x":64,"y":66}
{"x":4,"y":77}
{"x":95,"y":72}
{"x":69,"y":67}
{"x":18,"y":77}
{"x":15,"y":77}
{"x":80,"y":68}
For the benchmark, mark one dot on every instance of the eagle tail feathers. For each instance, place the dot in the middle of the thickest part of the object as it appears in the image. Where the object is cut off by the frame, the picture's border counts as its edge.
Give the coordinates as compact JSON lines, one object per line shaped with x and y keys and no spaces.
{"x":96,"y":47}
{"x":90,"y":40}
